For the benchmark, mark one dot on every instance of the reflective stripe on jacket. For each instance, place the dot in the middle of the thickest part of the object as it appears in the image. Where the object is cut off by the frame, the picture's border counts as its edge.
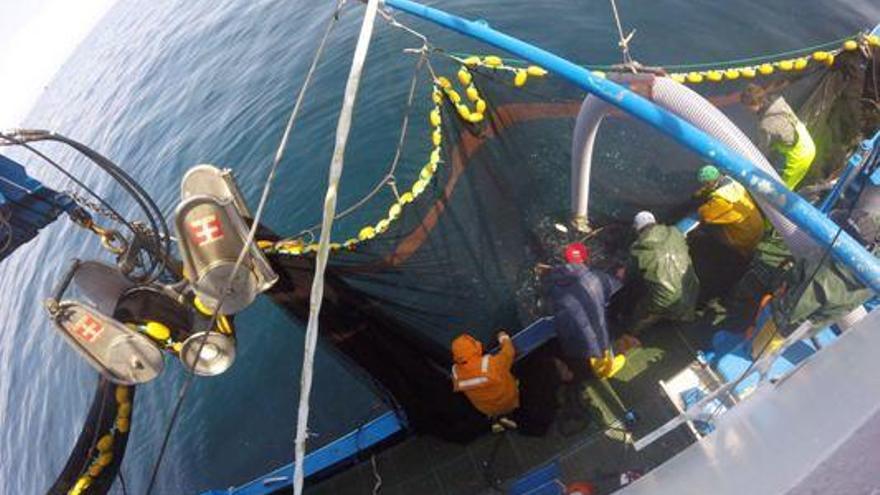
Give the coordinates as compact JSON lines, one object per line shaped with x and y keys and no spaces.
{"x":732,"y":209}
{"x":487,"y":381}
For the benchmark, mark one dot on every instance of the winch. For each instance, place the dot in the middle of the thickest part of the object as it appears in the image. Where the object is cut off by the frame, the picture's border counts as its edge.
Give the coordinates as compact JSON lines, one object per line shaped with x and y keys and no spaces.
{"x":212,"y":234}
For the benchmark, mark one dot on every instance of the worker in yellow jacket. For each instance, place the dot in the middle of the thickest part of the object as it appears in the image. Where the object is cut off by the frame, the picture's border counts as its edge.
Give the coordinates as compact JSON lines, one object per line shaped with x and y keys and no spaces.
{"x":782,"y":131}
{"x":729,"y":207}
{"x":485,"y":379}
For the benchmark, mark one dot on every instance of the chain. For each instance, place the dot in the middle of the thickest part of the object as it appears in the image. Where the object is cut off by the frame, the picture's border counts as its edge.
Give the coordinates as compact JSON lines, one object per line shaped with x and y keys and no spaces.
{"x":95,"y":207}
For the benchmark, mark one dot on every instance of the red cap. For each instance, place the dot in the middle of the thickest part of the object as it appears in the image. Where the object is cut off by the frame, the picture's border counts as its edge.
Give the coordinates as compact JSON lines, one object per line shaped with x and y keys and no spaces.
{"x":576,"y":252}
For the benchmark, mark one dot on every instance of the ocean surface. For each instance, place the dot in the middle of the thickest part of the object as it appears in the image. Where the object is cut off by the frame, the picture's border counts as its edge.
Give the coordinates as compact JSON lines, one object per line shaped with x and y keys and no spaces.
{"x":163,"y":85}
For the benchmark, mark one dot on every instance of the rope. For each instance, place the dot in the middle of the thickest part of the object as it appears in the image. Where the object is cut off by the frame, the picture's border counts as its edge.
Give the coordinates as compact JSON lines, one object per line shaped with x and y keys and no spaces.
{"x":624,"y":39}
{"x":376,"y":476}
{"x":388,"y":178}
{"x":697,"y":65}
{"x":250,"y":239}
{"x":317,"y":294}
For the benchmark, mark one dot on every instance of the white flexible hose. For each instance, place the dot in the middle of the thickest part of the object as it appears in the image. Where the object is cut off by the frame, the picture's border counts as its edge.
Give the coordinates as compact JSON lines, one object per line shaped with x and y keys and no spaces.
{"x":317,"y":295}
{"x":592,"y":112}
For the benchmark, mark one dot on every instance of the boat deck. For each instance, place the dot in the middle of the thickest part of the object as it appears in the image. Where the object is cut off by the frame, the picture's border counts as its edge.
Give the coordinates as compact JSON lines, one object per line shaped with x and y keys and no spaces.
{"x":594,"y":452}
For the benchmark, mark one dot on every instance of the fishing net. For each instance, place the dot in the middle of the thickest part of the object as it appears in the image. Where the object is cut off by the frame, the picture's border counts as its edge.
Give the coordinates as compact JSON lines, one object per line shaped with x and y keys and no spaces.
{"x":456,"y":251}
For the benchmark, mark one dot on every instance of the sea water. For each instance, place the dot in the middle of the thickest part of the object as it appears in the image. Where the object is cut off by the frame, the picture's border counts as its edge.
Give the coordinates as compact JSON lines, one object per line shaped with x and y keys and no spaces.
{"x":160,"y":86}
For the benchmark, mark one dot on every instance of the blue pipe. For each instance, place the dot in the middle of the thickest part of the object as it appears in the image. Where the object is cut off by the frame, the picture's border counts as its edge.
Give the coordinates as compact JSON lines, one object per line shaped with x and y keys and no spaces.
{"x":845,"y":249}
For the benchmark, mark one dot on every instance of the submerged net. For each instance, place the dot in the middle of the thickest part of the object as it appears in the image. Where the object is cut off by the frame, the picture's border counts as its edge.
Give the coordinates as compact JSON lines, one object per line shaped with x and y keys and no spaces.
{"x":456,"y":252}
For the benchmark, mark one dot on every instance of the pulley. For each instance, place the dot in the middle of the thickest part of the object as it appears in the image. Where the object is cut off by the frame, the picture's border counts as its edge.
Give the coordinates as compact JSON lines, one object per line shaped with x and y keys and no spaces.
{"x":212,"y":233}
{"x":121,"y":354}
{"x":208,"y":353}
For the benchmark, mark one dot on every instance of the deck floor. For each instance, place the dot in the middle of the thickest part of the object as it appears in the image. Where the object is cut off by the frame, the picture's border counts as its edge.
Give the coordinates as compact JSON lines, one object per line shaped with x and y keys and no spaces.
{"x":595,"y":453}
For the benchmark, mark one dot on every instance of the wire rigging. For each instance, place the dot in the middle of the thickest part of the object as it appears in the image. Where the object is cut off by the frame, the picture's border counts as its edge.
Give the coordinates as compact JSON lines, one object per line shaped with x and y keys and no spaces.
{"x":279,"y":154}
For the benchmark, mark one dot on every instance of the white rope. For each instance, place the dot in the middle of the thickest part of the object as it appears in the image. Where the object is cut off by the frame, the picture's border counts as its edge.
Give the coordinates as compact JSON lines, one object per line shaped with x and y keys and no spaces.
{"x":317,"y":295}
{"x":624,"y":39}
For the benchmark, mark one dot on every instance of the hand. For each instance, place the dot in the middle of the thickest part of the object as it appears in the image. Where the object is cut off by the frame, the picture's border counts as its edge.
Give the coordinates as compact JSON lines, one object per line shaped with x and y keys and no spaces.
{"x":502,"y":335}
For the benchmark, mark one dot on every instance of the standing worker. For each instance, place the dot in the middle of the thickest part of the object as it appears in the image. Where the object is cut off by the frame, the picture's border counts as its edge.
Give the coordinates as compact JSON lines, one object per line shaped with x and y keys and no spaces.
{"x":729,"y":207}
{"x":781,"y":130}
{"x":578,"y":296}
{"x":668,"y":284}
{"x":485,"y":379}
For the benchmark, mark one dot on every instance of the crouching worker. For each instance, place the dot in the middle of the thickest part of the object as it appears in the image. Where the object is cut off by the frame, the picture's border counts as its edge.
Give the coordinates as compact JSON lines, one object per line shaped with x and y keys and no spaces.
{"x":485,"y":379}
{"x":578,"y":296}
{"x":729,"y":209}
{"x":661,"y":264}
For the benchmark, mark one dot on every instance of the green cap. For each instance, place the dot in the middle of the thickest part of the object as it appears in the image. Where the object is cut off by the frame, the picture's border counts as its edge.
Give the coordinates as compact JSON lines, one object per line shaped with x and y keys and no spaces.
{"x":708,"y":173}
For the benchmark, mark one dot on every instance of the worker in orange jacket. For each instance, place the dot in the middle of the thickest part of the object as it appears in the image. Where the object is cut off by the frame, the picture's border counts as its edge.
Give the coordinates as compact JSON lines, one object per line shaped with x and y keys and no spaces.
{"x":729,"y":207}
{"x":485,"y":379}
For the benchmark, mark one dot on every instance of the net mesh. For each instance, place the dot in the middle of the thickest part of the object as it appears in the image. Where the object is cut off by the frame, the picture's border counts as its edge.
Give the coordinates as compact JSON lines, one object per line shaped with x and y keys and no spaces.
{"x":461,"y":255}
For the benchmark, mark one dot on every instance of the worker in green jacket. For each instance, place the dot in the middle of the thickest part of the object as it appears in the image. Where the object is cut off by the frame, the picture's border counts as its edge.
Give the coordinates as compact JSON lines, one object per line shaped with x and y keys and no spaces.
{"x":661,"y":263}
{"x":782,"y":131}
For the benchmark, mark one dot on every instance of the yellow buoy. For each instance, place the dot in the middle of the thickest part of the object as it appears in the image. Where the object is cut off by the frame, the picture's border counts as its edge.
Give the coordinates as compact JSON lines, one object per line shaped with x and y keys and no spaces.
{"x":820,"y":56}
{"x":534,"y":70}
{"x":694,"y":78}
{"x":406,"y":198}
{"x":427,"y":172}
{"x":464,"y":111}
{"x":435,"y":155}
{"x":105,"y":459}
{"x":830,"y":60}
{"x":382,"y":226}
{"x":105,"y":443}
{"x":492,"y":61}
{"x":520,"y":79}
{"x":95,"y":470}
{"x":748,"y":73}
{"x":786,"y":65}
{"x":349,"y":244}
{"x":335,"y":246}
{"x":850,"y":45}
{"x":122,"y":424}
{"x":124,"y":410}
{"x":714,"y":76}
{"x":731,"y":74}
{"x":419,"y":187}
{"x":264,"y":245}
{"x":472,"y":61}
{"x":453,"y":95}
{"x":395,"y":211}
{"x":599,"y":73}
{"x":464,"y":77}
{"x":873,"y":40}
{"x":443,"y":82}
{"x":435,"y":117}
{"x":480,"y":106}
{"x":475,"y":117}
{"x":437,"y":97}
{"x":765,"y":69}
{"x":367,"y":233}
{"x":123,"y":396}
{"x":679,"y":78}
{"x":800,"y":64}
{"x":177,"y":347}
{"x":437,"y":137}
{"x":81,"y":484}
{"x":472,"y":93}
{"x":157,"y":331}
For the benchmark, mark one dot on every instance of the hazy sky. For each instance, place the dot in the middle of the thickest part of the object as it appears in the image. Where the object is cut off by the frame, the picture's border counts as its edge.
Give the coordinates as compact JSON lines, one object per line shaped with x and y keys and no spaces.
{"x":36,"y":37}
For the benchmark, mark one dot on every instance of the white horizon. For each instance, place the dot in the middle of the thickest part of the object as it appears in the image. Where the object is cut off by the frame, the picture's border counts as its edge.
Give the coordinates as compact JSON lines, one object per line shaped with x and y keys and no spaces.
{"x":33,"y":54}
